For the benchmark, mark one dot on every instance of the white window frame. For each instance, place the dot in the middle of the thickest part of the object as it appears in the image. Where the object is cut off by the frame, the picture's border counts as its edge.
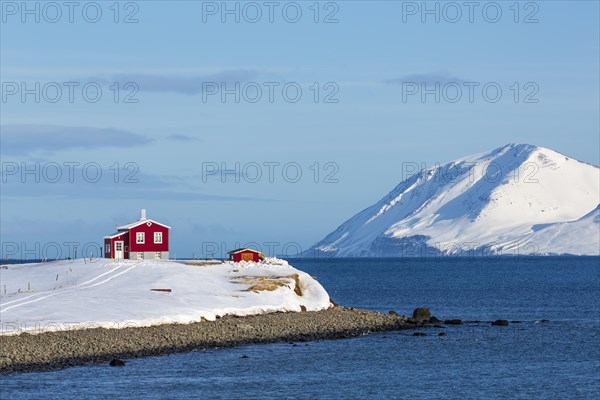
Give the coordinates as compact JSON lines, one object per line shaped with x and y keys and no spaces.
{"x":140,"y":255}
{"x":159,"y":236}
{"x":157,"y":255}
{"x":140,"y":238}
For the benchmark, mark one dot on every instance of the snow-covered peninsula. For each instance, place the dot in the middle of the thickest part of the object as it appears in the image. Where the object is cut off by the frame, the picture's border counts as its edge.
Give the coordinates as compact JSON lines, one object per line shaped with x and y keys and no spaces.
{"x":79,"y":294}
{"x":65,"y":313}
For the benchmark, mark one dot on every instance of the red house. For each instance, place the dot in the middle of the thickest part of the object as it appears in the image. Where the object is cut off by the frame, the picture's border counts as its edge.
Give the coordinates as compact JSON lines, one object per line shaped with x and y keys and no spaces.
{"x":143,"y":239}
{"x":245,"y":255}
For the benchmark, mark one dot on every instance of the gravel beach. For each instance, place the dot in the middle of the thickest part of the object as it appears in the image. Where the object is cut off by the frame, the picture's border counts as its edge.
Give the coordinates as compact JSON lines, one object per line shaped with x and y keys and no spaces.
{"x":55,"y":350}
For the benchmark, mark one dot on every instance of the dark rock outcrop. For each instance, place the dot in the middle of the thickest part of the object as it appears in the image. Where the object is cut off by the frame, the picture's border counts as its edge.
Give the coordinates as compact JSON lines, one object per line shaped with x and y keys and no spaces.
{"x":500,"y":322}
{"x":115,"y":362}
{"x":453,"y":322}
{"x":421,"y":314}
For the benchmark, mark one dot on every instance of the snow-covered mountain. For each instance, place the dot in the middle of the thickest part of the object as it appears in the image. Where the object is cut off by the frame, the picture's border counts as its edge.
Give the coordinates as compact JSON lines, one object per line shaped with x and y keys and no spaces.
{"x":517,"y":199}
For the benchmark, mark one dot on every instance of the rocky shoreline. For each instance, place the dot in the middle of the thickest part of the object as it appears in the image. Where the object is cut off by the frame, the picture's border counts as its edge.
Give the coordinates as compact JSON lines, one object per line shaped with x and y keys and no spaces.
{"x":57,"y":350}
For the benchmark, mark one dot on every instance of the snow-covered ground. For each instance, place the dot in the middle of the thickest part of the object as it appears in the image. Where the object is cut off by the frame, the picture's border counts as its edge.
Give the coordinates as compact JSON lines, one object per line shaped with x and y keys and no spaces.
{"x":517,"y":199}
{"x":75,"y":294}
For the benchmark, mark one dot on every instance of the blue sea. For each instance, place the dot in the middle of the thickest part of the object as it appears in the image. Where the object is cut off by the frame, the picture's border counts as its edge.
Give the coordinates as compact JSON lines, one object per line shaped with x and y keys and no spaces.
{"x":550,"y":350}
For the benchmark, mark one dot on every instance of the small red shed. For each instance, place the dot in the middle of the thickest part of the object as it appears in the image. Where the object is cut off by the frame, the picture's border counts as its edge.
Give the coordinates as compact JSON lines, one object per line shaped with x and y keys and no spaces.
{"x":142,"y":239}
{"x":245,"y":255}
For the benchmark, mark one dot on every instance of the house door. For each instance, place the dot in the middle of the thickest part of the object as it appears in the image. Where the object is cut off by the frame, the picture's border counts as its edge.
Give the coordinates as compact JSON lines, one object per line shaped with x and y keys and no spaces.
{"x":247,"y":257}
{"x":119,"y":250}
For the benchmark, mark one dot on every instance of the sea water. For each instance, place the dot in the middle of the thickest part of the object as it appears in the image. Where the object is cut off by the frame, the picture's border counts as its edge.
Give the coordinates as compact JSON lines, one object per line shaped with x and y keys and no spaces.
{"x":550,"y":350}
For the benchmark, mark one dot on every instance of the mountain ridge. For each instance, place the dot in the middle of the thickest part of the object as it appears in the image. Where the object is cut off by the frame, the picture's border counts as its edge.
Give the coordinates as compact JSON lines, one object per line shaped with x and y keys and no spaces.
{"x":488,"y":202}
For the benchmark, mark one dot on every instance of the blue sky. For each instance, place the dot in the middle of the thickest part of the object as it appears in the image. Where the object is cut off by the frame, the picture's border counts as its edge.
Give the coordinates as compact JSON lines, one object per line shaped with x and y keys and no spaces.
{"x":171,"y":145}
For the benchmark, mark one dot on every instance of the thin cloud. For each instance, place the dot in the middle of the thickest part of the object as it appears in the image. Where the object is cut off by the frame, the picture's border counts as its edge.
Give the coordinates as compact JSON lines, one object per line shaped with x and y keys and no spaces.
{"x":18,"y":139}
{"x":183,"y":138}
{"x":132,"y":184}
{"x":189,"y":85}
{"x":442,"y":78}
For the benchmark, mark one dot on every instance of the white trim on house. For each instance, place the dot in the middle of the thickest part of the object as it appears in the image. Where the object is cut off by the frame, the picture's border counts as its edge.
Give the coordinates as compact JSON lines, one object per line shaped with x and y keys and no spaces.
{"x":150,"y":255}
{"x":244,"y":249}
{"x":119,"y":254}
{"x":114,"y":235}
{"x":137,"y":223}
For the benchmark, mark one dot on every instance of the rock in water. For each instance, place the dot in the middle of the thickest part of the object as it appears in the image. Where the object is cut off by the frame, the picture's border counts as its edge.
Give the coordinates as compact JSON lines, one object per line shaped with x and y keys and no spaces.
{"x":419,"y":334}
{"x":421,"y":314}
{"x":434,"y":320}
{"x":453,"y":322}
{"x":115,"y":362}
{"x":500,"y":322}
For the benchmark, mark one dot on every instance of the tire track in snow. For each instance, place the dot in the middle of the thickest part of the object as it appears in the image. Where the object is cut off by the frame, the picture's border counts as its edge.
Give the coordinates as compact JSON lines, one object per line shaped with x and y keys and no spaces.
{"x":71,"y":290}
{"x":54,"y":290}
{"x":51,"y":291}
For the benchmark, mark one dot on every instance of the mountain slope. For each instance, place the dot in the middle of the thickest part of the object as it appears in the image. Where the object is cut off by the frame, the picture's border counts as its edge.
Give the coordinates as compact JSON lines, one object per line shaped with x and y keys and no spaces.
{"x":498,"y":202}
{"x":566,"y":237}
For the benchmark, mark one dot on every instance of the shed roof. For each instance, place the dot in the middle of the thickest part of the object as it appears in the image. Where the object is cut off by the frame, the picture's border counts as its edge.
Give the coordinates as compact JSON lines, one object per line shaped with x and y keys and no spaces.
{"x":242,"y":250}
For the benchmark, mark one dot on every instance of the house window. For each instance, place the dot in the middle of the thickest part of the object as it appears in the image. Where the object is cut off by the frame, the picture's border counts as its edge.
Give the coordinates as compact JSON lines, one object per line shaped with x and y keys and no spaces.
{"x":157,"y":255}
{"x":118,"y":246}
{"x":140,"y":255}
{"x":139,"y":238}
{"x":157,"y":237}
